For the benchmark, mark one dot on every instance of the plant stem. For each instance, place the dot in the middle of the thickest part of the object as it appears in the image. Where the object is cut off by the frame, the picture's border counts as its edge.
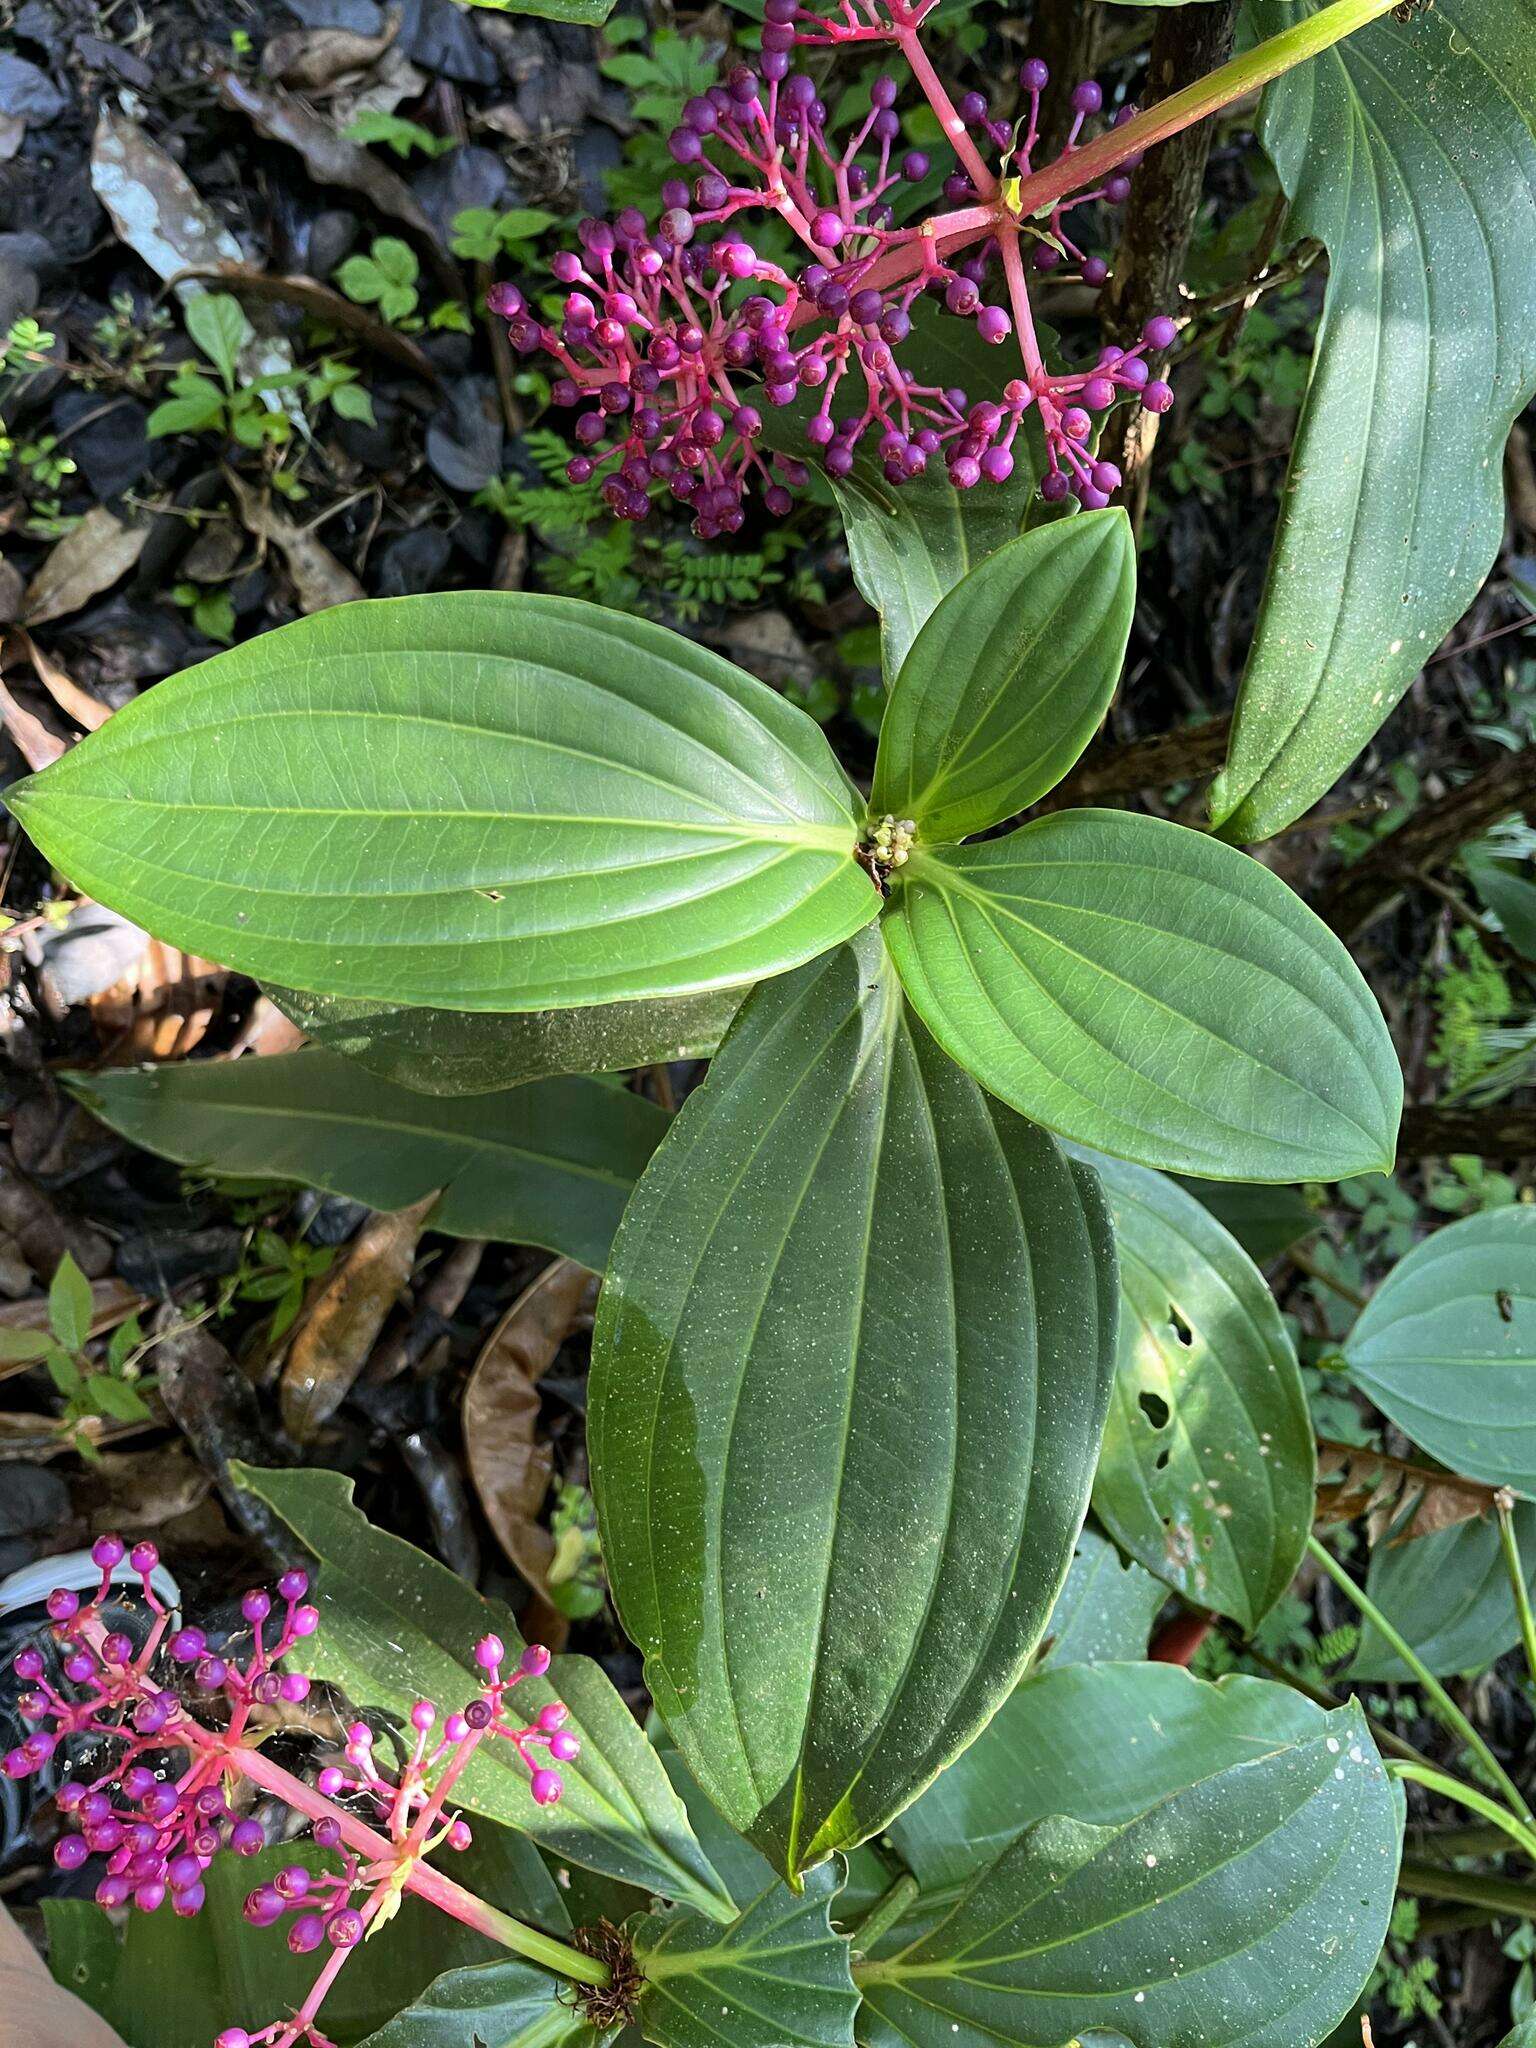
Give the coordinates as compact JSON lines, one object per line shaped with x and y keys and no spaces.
{"x":1047,"y":187}
{"x":427,"y":1883}
{"x":1468,"y":1888}
{"x":976,"y":168}
{"x":1470,"y":1797}
{"x":1504,"y":1502}
{"x":885,"y":1912}
{"x":1453,"y":1715}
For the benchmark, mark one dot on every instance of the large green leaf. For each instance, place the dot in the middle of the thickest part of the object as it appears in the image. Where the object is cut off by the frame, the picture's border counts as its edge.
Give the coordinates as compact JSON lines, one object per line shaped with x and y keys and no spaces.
{"x":1209,"y":1467}
{"x":847,"y":1388}
{"x":468,"y":801}
{"x":502,"y":2004}
{"x":778,"y":1977}
{"x":1507,"y":886}
{"x":550,"y":1164}
{"x":171,"y":1983}
{"x":1218,"y":1868}
{"x":1007,"y":682}
{"x":1104,"y":1613}
{"x":457,"y":1052}
{"x":396,"y":1627}
{"x":1266,"y":1221}
{"x":1148,"y":991}
{"x":1449,"y":1595}
{"x":1446,"y":1347}
{"x":1407,"y":149}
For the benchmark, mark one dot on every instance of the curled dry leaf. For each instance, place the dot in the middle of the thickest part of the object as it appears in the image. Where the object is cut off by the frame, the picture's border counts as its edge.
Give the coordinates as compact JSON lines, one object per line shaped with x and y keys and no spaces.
{"x":1398,"y":1500}
{"x":511,"y":1468}
{"x":88,"y":560}
{"x":45,"y":1233}
{"x":161,"y":1009}
{"x":341,"y":1321}
{"x":312,"y":59}
{"x":214,"y":1405}
{"x":146,"y":1488}
{"x":37,"y":746}
{"x":87,"y":711}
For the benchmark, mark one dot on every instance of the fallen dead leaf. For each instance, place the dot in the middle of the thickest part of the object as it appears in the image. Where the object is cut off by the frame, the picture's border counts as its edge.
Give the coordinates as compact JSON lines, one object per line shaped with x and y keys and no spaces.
{"x":214,"y":1405}
{"x":86,"y":711}
{"x":45,"y":1233}
{"x":161,"y":1010}
{"x":342,"y":1318}
{"x":511,"y":1468}
{"x":319,"y":580}
{"x":88,"y":560}
{"x":37,"y":746}
{"x":145,"y":1488}
{"x":1397,"y":1500}
{"x":314,"y":59}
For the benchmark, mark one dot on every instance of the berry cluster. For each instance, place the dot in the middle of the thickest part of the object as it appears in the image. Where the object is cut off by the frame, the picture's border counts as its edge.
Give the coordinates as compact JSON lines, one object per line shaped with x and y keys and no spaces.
{"x":674,"y":337}
{"x":164,"y":1729}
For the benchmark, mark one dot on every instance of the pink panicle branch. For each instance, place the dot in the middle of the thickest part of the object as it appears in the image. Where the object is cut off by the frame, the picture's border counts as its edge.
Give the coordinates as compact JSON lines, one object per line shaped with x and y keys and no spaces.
{"x":175,"y":1719}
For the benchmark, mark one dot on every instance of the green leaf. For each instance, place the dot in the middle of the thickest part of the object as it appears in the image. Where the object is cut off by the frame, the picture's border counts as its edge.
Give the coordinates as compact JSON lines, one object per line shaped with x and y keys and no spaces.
{"x":1446,"y":1347}
{"x":116,"y":1399}
{"x":1507,"y":889}
{"x":1105,"y":1610}
{"x":217,"y":323}
{"x":396,"y":1627}
{"x":1209,"y":1468}
{"x":451,"y":1052}
{"x":1266,"y":1221}
{"x":164,"y":1984}
{"x":1449,"y":1594}
{"x":1008,"y":680}
{"x":70,"y":1306}
{"x":550,"y":1164}
{"x":510,"y":2005}
{"x":778,"y":1977}
{"x":1218,"y":1868}
{"x":588,"y":13}
{"x":1407,"y":149}
{"x":188,"y":414}
{"x":1148,"y":991}
{"x":24,"y":1347}
{"x":469,"y":801}
{"x":836,"y":1531}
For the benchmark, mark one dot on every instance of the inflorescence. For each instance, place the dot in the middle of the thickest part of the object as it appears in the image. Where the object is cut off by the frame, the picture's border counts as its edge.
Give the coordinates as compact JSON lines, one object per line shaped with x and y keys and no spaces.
{"x":163,"y":1735}
{"x":674,"y":336}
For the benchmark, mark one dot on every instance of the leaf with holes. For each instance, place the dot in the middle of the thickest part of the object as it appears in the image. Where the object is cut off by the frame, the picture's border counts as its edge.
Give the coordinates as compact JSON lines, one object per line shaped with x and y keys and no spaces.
{"x":1178,"y":1862}
{"x":778,"y":1977}
{"x":1408,"y":150}
{"x":397,"y":1627}
{"x":1008,"y":680}
{"x":1449,"y":1595}
{"x":1208,"y":1466}
{"x":1446,"y":1347}
{"x":752,"y":1377}
{"x":550,"y":1164}
{"x":472,"y":801}
{"x":1146,"y":990}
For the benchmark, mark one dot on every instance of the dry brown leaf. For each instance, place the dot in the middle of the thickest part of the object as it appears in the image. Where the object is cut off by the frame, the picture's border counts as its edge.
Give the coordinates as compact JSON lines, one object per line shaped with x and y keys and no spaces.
{"x":38,"y":1438}
{"x":45,"y":1233}
{"x":314,"y":58}
{"x":511,"y":1468}
{"x":37,"y":746}
{"x":144,"y":1489}
{"x":343,"y":1316}
{"x":161,"y":1010}
{"x":319,"y":579}
{"x":88,"y":560}
{"x":1396,"y":1499}
{"x":75,"y":703}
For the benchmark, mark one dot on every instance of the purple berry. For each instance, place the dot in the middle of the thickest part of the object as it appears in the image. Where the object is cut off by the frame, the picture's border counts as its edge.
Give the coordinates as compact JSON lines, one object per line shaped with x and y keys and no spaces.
{"x":306,"y":1934}
{"x":1157,"y":397}
{"x":1088,"y":97}
{"x":70,"y":1851}
{"x":546,"y":1787}
{"x":993,"y":324}
{"x":108,"y":1552}
{"x":1054,"y":487}
{"x":1160,"y":333}
{"x":1098,"y":394}
{"x":1095,"y":272}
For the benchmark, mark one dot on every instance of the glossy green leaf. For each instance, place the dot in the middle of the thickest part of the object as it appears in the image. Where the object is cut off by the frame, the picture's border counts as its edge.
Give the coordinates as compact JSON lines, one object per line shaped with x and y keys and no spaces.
{"x":1446,"y":1347}
{"x":396,"y":1626}
{"x":1449,"y":1595}
{"x":468,"y":801}
{"x":586,"y":13}
{"x":1007,"y":682}
{"x":835,"y":1530}
{"x":503,"y":2005}
{"x":1209,"y":1468}
{"x":1202,"y":1880}
{"x":1104,"y":1613}
{"x":454,"y":1052}
{"x":551,"y":1163}
{"x":1408,"y":150}
{"x":778,"y":1977}
{"x":1143,"y":989}
{"x":170,"y":1983}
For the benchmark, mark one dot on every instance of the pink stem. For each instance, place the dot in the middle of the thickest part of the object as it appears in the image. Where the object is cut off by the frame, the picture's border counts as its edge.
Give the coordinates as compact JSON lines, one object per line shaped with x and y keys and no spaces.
{"x":949,"y":120}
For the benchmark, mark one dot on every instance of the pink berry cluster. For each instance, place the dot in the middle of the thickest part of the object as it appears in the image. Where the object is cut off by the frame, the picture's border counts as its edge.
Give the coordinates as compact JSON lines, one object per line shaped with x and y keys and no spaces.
{"x":673,"y":336}
{"x":163,"y":1733}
